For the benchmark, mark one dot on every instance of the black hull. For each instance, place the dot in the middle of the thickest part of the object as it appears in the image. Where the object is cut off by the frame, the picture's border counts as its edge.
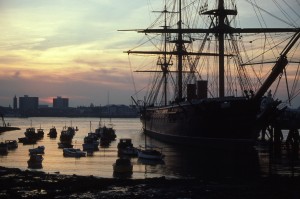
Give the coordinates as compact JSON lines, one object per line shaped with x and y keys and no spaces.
{"x":8,"y":128}
{"x":207,"y":122}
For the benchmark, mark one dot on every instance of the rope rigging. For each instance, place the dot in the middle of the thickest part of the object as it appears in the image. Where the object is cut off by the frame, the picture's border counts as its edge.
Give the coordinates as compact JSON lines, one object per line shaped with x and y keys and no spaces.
{"x":201,"y":67}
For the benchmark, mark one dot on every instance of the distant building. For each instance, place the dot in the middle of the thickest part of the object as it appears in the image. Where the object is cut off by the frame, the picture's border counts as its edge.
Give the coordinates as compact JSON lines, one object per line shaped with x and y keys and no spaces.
{"x":27,"y":103}
{"x":60,"y":102}
{"x":15,"y":103}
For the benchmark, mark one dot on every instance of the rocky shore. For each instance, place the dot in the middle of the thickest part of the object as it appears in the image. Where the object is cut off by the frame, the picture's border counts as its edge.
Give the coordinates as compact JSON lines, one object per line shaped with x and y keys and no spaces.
{"x":15,"y":183}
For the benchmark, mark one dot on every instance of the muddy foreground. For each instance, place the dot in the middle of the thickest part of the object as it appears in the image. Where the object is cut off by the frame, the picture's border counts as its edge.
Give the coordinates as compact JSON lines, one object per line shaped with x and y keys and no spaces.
{"x":15,"y":183}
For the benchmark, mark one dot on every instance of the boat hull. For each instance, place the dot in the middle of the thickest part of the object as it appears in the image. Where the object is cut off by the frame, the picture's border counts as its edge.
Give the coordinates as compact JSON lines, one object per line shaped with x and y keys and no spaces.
{"x":8,"y":128}
{"x":207,"y":122}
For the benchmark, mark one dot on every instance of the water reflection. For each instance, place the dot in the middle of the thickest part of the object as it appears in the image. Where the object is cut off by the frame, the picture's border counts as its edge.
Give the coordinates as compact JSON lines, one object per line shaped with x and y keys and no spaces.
{"x":214,"y":163}
{"x":261,"y":160}
{"x":278,"y":159}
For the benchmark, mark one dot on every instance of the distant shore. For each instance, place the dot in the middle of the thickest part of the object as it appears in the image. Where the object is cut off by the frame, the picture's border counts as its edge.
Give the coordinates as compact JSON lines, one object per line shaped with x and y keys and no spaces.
{"x":15,"y":183}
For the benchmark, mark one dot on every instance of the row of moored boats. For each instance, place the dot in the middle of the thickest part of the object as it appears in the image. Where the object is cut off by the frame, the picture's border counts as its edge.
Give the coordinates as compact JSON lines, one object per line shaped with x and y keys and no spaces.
{"x":102,"y":136}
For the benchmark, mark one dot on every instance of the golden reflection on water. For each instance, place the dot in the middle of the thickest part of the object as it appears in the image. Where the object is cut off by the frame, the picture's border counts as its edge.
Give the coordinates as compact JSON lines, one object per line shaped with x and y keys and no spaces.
{"x":179,"y":161}
{"x":100,"y":164}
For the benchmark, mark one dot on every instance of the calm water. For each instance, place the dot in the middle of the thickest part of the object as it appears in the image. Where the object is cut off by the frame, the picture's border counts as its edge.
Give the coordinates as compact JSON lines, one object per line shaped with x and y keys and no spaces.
{"x":178,"y":162}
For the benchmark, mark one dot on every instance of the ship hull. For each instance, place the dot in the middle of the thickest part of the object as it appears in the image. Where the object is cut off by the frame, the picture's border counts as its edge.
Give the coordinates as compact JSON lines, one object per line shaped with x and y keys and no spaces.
{"x":204,"y":122}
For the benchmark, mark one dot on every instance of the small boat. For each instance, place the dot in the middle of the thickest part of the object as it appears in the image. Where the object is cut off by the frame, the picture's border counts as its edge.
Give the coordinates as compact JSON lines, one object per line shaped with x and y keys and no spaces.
{"x":124,"y":143}
{"x":8,"y":128}
{"x":125,"y":147}
{"x":38,"y":150}
{"x":106,"y":133}
{"x":91,"y":142}
{"x":150,"y":153}
{"x":52,"y":133}
{"x":11,"y":144}
{"x":3,"y":148}
{"x":129,"y":151}
{"x":26,"y":140}
{"x":35,"y":161}
{"x":67,"y":134}
{"x":70,"y":152}
{"x":122,"y":165}
{"x":104,"y":142}
{"x":62,"y":145}
{"x":40,"y":133}
{"x":30,"y":133}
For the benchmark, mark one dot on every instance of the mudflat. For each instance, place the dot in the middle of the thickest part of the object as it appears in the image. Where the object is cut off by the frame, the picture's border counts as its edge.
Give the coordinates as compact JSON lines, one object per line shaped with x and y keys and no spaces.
{"x":15,"y":183}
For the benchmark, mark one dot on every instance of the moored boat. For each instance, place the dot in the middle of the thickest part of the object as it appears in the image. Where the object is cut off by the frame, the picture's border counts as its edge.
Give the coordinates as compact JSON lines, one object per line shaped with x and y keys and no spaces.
{"x":3,"y":148}
{"x":71,"y":152}
{"x":205,"y":90}
{"x":11,"y":144}
{"x":40,"y":133}
{"x":67,"y":134}
{"x":150,"y":153}
{"x":26,"y":140}
{"x":62,"y":145}
{"x":35,"y":161}
{"x":122,"y":165}
{"x":90,"y":142}
{"x":52,"y":133}
{"x":125,"y":147}
{"x":38,"y":150}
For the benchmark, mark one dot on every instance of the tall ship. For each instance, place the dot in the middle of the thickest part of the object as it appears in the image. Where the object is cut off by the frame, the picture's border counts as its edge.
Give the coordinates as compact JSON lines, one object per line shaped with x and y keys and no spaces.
{"x":212,"y":81}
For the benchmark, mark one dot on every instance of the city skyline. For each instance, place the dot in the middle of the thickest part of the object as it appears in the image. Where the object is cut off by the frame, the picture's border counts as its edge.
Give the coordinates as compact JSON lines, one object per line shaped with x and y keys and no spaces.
{"x":57,"y":102}
{"x":68,"y":48}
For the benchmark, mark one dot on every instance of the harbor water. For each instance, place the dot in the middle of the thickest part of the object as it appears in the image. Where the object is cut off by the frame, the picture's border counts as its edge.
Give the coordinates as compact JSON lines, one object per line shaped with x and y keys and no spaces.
{"x":179,"y":161}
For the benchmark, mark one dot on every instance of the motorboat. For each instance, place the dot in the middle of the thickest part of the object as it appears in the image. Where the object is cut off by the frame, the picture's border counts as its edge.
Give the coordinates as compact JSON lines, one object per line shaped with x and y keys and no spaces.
{"x":150,"y":153}
{"x":3,"y":148}
{"x":40,"y":133}
{"x":91,"y":142}
{"x":35,"y":161}
{"x":124,"y":143}
{"x":62,"y":145}
{"x":27,"y":140}
{"x":106,"y":133}
{"x":52,"y":133}
{"x":129,"y":151}
{"x":67,"y":134}
{"x":38,"y":150}
{"x":123,"y":165}
{"x":11,"y":144}
{"x":71,"y":152}
{"x":125,"y":147}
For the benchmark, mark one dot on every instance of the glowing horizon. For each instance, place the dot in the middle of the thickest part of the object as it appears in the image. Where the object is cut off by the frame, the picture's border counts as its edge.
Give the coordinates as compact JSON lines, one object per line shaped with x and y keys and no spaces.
{"x":72,"y":48}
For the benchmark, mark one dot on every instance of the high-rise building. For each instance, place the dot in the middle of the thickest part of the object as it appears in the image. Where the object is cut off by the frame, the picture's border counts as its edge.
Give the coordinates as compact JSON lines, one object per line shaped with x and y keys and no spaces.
{"x":27,"y":103}
{"x":15,"y":103}
{"x":60,"y":102}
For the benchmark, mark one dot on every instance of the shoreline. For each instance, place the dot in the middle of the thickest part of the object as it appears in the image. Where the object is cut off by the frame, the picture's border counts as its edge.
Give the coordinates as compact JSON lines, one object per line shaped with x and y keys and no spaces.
{"x":16,"y":183}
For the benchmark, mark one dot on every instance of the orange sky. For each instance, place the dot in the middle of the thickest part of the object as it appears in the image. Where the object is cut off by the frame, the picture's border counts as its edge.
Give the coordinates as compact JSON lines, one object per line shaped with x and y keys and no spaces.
{"x":71,"y":48}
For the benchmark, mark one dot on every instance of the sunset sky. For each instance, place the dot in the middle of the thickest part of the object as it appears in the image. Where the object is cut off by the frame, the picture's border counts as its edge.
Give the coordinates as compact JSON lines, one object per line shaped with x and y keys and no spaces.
{"x":69,"y":48}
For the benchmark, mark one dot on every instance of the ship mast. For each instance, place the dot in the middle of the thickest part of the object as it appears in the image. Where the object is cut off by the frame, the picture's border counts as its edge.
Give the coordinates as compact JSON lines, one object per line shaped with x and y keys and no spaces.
{"x":165,"y":64}
{"x":180,"y":52}
{"x":221,"y":26}
{"x":220,"y":29}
